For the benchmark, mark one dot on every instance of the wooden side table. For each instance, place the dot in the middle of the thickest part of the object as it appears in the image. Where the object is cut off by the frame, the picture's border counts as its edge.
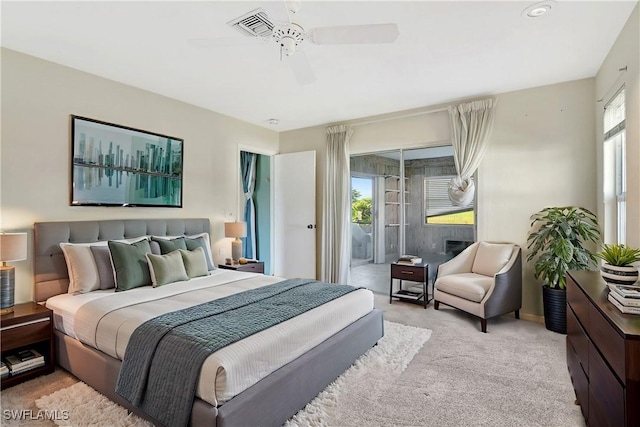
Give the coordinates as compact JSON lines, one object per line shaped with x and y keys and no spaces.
{"x":29,"y":326}
{"x":251,"y":267}
{"x":414,"y":273}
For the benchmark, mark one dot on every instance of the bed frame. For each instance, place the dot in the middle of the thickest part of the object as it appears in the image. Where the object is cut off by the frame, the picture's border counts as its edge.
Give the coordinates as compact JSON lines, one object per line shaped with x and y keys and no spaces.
{"x":270,"y":402}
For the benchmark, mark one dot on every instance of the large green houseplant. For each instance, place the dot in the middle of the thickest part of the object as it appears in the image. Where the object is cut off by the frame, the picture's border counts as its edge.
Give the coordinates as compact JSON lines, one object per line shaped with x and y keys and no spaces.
{"x":556,"y":243}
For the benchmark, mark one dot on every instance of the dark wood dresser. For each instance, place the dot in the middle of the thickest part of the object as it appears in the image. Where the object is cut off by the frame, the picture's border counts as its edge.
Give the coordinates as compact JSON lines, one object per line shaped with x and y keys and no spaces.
{"x":603,"y":353}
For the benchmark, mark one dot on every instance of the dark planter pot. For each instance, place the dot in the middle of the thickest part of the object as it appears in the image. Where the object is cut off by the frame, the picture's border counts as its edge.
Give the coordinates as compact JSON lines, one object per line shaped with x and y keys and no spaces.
{"x":555,"y":309}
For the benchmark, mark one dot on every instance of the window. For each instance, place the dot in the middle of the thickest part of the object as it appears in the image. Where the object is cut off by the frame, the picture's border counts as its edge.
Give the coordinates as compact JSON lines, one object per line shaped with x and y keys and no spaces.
{"x":614,"y":183}
{"x":439,"y":209}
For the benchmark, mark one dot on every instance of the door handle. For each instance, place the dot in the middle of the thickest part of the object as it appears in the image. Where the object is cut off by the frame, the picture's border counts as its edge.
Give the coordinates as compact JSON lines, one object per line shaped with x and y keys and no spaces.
{"x":310,"y":226}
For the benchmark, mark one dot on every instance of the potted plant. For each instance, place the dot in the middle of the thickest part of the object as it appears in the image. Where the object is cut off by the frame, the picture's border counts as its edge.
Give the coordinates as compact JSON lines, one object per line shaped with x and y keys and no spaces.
{"x":617,"y":267}
{"x":556,"y":241}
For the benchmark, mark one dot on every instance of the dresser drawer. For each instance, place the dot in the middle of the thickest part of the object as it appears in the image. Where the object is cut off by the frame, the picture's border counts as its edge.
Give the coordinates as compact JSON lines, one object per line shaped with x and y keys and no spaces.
{"x":579,"y":380}
{"x":23,"y":334}
{"x":579,"y":303}
{"x":606,"y":394}
{"x":408,"y":272}
{"x":608,"y":341}
{"x":577,"y":338}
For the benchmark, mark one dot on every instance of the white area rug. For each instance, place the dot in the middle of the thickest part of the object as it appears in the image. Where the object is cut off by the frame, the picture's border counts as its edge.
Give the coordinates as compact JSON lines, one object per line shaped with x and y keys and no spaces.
{"x":80,"y":405}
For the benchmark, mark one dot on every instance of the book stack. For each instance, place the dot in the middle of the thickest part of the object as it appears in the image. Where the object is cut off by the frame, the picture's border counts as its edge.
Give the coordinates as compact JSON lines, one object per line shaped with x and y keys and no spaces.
{"x":409,"y":259}
{"x":626,"y":298}
{"x":24,"y":360}
{"x":4,"y":371}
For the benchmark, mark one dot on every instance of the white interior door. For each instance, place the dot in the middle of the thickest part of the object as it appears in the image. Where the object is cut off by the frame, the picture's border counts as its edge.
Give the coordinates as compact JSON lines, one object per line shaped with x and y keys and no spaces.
{"x":294,"y":177}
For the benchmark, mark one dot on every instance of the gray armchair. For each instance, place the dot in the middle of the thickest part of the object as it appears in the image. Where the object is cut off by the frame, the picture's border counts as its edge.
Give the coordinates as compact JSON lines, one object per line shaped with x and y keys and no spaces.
{"x":361,"y":244}
{"x":484,"y":280}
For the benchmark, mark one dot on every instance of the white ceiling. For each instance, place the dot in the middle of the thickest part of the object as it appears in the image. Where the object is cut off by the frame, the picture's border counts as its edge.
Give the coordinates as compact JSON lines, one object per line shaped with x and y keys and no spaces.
{"x":446,"y":51}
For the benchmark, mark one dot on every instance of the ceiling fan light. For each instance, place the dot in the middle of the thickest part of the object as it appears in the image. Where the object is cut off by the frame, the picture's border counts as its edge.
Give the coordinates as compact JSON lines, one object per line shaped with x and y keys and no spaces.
{"x":288,"y":45}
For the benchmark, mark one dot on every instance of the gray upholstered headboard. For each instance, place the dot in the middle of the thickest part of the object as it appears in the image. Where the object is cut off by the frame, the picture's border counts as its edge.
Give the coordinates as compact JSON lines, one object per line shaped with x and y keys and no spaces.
{"x":50,"y":268}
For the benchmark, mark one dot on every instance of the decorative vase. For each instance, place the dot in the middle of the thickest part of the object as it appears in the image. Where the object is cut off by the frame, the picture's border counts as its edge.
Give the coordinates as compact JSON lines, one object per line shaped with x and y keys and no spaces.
{"x":626,"y":275}
{"x":554,"y":302}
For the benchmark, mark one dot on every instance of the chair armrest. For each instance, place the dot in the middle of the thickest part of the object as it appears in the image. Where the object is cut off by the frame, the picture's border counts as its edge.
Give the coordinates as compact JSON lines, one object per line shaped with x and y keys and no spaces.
{"x":460,"y":264}
{"x":506,"y":294}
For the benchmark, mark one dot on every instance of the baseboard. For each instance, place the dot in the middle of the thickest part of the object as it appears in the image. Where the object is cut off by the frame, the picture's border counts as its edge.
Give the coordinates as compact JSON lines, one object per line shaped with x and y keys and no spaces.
{"x":532,"y":318}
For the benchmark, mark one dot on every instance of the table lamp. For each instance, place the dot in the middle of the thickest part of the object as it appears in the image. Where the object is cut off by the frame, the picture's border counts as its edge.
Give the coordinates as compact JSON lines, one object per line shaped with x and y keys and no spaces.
{"x":13,"y":247}
{"x":237,"y":230}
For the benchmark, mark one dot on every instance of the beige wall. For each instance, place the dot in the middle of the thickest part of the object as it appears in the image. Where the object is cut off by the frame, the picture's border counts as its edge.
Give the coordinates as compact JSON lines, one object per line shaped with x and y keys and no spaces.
{"x":624,"y":53}
{"x":37,"y":99}
{"x":541,"y":154}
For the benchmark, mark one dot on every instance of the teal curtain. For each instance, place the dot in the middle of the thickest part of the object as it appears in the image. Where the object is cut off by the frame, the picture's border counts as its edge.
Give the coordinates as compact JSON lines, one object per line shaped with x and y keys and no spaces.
{"x":248,"y":171}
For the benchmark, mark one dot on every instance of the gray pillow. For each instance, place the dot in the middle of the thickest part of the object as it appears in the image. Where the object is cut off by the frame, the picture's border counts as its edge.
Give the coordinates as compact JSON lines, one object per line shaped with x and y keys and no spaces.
{"x":200,"y":242}
{"x":167,"y":246}
{"x":195,"y":262}
{"x":167,"y":268}
{"x":130,"y":264}
{"x":102,"y":257}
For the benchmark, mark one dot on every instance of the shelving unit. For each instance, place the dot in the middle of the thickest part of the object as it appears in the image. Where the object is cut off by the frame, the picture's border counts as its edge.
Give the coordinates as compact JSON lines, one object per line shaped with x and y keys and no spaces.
{"x":392,"y":199}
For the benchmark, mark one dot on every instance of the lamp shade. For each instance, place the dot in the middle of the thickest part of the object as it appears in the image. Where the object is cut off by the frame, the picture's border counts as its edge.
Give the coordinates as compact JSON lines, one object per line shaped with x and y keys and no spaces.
{"x":235,"y":229}
{"x":13,"y":247}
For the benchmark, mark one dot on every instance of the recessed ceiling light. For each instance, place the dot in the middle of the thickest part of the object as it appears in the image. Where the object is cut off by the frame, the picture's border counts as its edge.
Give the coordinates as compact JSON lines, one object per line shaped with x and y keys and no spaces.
{"x":538,"y":9}
{"x":273,"y":121}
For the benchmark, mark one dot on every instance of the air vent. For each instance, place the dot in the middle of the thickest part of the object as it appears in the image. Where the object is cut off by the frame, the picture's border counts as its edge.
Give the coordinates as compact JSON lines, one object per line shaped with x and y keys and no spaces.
{"x":253,"y":24}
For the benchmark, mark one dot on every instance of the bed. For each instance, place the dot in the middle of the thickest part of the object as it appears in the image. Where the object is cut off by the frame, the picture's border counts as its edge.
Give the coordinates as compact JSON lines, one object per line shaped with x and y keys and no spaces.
{"x":267,"y":397}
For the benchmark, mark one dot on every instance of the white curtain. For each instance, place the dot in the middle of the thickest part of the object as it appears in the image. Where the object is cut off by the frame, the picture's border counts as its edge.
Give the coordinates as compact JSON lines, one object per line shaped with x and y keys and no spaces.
{"x":471,"y":126}
{"x":336,"y":202}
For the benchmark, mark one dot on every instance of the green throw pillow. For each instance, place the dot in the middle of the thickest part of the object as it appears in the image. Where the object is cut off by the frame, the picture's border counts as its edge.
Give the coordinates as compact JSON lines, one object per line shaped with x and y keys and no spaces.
{"x":167,"y":245}
{"x":199,"y":242}
{"x":130,"y":264}
{"x":167,"y":268}
{"x":195,"y":262}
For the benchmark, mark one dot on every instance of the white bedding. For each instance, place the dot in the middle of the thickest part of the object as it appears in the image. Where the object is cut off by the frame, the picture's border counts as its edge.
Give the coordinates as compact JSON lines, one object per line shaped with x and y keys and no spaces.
{"x":106,"y":319}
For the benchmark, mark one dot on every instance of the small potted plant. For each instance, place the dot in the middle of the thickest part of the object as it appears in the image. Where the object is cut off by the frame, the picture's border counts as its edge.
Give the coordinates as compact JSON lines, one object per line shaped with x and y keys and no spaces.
{"x":617,"y":267}
{"x":556,"y":241}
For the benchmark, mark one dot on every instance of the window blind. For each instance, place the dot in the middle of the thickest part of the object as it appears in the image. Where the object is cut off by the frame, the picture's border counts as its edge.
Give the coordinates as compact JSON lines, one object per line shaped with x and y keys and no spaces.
{"x":614,"y":115}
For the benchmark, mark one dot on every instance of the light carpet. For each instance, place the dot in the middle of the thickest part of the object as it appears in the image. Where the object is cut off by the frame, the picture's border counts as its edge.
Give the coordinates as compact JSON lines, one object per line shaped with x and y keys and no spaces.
{"x":80,"y":405}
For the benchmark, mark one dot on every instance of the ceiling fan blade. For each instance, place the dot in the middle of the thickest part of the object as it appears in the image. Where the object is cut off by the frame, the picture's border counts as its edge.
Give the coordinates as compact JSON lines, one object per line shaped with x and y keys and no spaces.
{"x":277,"y":11}
{"x":354,"y":34}
{"x":301,"y":68}
{"x":226,"y":41}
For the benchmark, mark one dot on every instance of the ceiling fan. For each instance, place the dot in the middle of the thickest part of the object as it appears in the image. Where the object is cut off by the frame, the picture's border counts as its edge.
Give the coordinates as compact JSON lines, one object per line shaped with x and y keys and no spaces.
{"x":277,"y":25}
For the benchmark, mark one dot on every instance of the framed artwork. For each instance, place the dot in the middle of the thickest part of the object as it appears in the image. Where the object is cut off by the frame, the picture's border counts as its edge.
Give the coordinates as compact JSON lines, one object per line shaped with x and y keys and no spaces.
{"x":114,"y":165}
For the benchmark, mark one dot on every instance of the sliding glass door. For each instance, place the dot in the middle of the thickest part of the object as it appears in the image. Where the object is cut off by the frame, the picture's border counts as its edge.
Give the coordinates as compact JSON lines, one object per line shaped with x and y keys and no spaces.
{"x":409,"y":212}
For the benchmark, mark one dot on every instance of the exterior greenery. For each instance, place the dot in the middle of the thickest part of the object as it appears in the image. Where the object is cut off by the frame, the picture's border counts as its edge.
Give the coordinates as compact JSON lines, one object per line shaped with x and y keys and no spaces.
{"x":360,"y":208}
{"x":556,"y":242}
{"x":619,"y":255}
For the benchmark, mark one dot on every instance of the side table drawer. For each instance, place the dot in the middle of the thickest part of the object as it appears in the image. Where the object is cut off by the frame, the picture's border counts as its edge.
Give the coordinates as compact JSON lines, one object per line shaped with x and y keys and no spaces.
{"x":408,"y":272}
{"x":252,"y":267}
{"x":22,"y":334}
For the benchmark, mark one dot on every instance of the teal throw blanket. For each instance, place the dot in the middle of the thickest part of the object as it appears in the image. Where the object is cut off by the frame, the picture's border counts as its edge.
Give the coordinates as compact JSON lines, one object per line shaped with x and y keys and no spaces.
{"x":162,"y":362}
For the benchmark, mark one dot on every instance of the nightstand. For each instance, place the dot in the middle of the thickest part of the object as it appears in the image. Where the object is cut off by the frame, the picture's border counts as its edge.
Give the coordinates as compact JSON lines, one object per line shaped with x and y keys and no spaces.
{"x":251,"y":267}
{"x":29,"y":326}
{"x":414,"y":273}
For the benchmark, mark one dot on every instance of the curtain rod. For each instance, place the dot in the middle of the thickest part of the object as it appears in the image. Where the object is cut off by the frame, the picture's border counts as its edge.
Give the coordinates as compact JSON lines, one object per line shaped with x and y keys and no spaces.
{"x":436,"y":110}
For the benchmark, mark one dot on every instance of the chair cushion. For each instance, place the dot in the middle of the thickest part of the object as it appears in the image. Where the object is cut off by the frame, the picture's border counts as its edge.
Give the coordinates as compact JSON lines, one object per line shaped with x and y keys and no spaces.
{"x":491,"y":257}
{"x":470,"y":286}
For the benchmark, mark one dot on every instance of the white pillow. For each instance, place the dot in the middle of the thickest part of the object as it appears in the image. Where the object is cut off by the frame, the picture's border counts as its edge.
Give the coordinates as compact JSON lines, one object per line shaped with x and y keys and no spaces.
{"x":491,"y":257}
{"x":82,"y":267}
{"x":83,"y":272}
